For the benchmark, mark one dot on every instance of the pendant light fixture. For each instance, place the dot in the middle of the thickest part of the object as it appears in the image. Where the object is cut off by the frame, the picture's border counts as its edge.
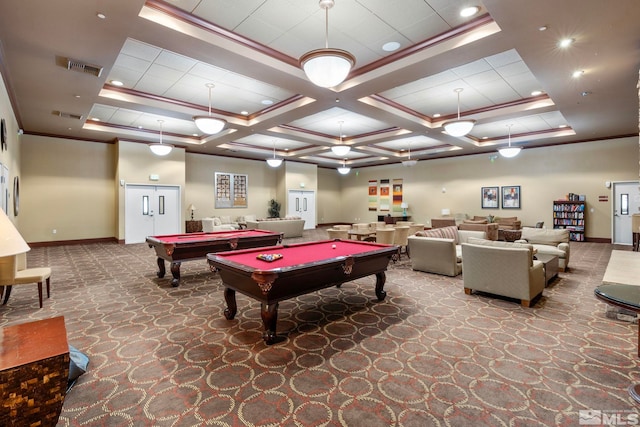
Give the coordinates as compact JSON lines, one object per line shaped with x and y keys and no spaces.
{"x":409,"y":162}
{"x":327,"y":67}
{"x":459,"y":127}
{"x":509,"y":151}
{"x":160,"y":149}
{"x":344,"y":169}
{"x":340,"y":149}
{"x":208,"y":124}
{"x":274,"y":163}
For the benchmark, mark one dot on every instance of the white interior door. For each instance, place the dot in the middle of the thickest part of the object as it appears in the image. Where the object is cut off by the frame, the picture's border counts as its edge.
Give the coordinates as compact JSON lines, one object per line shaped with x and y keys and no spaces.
{"x":151,"y":211}
{"x":303,"y":204}
{"x":626,"y":202}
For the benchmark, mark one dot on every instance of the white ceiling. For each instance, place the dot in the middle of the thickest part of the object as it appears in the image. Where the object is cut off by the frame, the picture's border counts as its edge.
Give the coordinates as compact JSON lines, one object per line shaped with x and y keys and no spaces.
{"x":166,"y":52}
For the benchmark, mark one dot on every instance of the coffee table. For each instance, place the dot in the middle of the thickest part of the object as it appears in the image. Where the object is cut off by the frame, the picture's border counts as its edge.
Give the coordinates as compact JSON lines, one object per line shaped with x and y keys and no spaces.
{"x":550,"y":263}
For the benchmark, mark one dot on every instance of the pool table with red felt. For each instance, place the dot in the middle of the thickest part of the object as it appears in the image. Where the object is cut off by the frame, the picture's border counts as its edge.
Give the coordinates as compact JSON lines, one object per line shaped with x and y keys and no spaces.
{"x":303,"y":268}
{"x":176,"y":248}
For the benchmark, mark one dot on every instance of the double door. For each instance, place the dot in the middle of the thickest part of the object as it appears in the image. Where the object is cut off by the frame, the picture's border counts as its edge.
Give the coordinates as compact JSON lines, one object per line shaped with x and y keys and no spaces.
{"x":151,"y":210}
{"x":302,"y":203}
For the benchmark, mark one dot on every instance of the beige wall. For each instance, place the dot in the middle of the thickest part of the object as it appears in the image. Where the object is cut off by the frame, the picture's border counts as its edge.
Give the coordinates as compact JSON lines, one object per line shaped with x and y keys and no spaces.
{"x":544,"y":174}
{"x":200,"y":170}
{"x":66,"y":186}
{"x":11,"y":156}
{"x":329,"y":200}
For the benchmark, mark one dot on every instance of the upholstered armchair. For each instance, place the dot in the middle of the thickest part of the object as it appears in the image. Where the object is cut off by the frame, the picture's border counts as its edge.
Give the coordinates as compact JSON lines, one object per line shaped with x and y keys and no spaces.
{"x":549,"y":241}
{"x":502,"y":268}
{"x":442,"y":222}
{"x":509,"y":223}
{"x":14,"y":271}
{"x":490,"y":228}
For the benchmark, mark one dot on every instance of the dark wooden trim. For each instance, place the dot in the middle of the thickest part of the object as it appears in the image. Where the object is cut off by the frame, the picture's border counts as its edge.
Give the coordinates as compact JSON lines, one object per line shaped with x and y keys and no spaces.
{"x":74,"y":242}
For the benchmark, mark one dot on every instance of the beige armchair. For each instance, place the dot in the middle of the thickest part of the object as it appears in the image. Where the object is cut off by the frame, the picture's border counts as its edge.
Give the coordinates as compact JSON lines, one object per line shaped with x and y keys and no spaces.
{"x":400,"y":238}
{"x":438,"y":250}
{"x":385,"y":235}
{"x":442,"y":222}
{"x":490,"y":229}
{"x":509,"y":223}
{"x":337,"y":234}
{"x":502,"y":268}
{"x":14,"y":271}
{"x":549,"y":241}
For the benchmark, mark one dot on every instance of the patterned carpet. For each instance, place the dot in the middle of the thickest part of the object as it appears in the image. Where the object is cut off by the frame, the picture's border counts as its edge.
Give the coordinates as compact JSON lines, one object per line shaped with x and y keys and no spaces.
{"x":428,"y":355}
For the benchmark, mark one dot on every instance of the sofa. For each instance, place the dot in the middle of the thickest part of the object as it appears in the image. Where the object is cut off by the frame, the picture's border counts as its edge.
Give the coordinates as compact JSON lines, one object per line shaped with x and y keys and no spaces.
{"x":502,"y":268}
{"x":549,"y":241}
{"x":214,"y":224}
{"x":291,"y":227}
{"x":490,"y":228}
{"x":439,"y":250}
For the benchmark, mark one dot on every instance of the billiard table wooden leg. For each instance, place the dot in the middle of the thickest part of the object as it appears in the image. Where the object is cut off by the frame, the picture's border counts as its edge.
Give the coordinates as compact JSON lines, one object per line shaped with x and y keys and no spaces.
{"x":269,"y":314}
{"x":232,"y":307}
{"x":161,"y":270}
{"x":381,"y":278}
{"x":175,"y":271}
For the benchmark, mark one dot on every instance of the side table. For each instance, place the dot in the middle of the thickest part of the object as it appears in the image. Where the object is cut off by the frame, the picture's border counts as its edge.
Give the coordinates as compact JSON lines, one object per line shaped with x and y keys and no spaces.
{"x":34,"y":371}
{"x":193,"y":226}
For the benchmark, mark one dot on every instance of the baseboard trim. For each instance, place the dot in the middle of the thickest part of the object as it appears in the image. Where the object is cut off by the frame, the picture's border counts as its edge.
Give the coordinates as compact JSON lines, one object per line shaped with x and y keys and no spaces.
{"x":73,"y":242}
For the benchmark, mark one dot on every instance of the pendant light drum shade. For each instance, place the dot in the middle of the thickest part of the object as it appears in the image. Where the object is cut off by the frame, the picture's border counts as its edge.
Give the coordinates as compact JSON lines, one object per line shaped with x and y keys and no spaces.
{"x":509,"y":151}
{"x":209,"y":124}
{"x":459,"y":127}
{"x":327,"y":67}
{"x":160,"y":149}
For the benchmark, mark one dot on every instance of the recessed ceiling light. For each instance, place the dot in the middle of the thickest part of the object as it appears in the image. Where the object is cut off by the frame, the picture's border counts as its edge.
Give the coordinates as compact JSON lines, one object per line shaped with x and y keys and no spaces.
{"x":543,"y":28}
{"x":536,"y":93}
{"x":565,"y":42}
{"x":95,"y":119}
{"x":76,"y":96}
{"x":577,"y":74}
{"x":469,"y":11}
{"x":267,"y":102}
{"x":390,"y":46}
{"x":562,"y":126}
{"x":116,"y":83}
{"x":101,"y":15}
{"x":436,"y":115}
{"x":244,"y":113}
{"x":485,"y":137}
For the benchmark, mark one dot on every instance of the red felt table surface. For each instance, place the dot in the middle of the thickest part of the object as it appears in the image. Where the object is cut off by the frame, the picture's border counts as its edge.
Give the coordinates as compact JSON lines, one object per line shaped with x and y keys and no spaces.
{"x":300,"y":253}
{"x":199,"y":237}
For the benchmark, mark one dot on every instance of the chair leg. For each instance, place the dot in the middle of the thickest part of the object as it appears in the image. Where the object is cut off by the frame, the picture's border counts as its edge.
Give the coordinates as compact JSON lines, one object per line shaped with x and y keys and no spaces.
{"x":7,"y":292}
{"x":48,"y":286}
{"x":40,"y":293}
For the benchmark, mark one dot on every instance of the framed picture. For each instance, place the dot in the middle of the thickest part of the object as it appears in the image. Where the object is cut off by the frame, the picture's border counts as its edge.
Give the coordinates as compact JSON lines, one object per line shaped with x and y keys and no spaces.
{"x":511,"y":197}
{"x":490,"y":199}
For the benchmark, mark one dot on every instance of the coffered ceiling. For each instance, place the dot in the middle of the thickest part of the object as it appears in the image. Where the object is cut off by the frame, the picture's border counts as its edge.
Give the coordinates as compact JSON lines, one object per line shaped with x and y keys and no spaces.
{"x":59,"y":60}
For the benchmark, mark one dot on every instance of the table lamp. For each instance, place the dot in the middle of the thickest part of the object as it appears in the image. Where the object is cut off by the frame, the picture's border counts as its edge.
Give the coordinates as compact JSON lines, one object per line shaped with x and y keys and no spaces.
{"x":191,"y":208}
{"x":11,"y":242}
{"x":404,"y":206}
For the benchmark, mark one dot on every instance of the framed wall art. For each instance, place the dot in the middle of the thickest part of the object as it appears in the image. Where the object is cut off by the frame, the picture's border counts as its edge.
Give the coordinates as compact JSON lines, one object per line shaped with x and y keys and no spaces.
{"x":511,"y":197}
{"x":231,"y":190}
{"x":490,"y":197}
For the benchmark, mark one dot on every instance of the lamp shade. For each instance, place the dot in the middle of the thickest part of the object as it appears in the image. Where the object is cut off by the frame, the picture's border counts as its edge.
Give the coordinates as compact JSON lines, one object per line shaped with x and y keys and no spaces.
{"x":343,"y":170}
{"x":409,"y":162}
{"x":191,"y":208}
{"x":327,"y":67}
{"x":274,"y":163}
{"x":11,"y":242}
{"x":160,"y":149}
{"x":340,"y":150}
{"x":209,"y":125}
{"x":404,"y":205}
{"x":459,"y":127}
{"x":509,"y":152}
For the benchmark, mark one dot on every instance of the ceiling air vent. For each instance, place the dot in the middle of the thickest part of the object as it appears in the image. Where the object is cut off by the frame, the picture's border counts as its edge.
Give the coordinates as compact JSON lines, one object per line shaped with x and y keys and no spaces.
{"x":68,"y":115}
{"x":83,"y":67}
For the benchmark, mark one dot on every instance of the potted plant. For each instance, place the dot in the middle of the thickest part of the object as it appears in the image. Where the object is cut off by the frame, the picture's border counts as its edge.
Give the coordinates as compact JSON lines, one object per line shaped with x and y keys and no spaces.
{"x":274,"y":208}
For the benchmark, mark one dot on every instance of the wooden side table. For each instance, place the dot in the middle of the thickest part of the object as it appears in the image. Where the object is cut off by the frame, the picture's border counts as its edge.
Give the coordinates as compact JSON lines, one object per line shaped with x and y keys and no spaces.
{"x":34,"y":371}
{"x":193,"y":226}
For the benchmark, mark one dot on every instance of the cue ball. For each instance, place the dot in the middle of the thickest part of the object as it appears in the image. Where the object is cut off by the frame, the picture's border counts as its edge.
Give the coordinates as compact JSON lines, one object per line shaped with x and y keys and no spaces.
{"x":333,"y":246}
